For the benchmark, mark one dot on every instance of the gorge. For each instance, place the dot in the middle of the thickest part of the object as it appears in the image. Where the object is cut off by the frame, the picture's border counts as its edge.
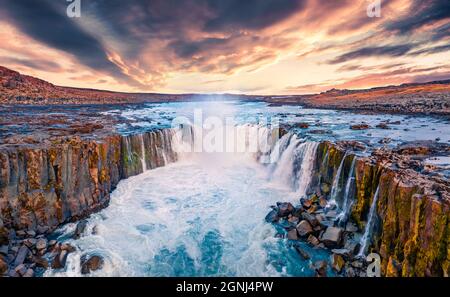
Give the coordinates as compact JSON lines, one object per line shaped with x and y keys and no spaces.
{"x":183,"y":214}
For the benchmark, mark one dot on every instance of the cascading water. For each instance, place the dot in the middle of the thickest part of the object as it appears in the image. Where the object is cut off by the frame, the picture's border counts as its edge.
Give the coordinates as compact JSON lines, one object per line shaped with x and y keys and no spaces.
{"x":201,"y":215}
{"x":143,"y":159}
{"x":305,"y":160}
{"x":370,"y":221}
{"x":293,"y":162}
{"x":347,"y":203}
{"x":335,"y":189}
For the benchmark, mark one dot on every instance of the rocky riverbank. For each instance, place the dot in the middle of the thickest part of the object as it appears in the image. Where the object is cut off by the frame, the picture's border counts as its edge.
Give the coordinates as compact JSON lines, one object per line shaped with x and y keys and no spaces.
{"x":59,"y":179}
{"x":64,"y":179}
{"x":387,"y":204}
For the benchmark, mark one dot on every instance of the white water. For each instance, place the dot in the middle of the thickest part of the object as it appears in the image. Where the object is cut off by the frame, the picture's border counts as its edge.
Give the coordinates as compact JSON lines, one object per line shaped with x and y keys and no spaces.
{"x":347,"y":203}
{"x":201,"y":216}
{"x":335,"y":187}
{"x":295,"y":161}
{"x":368,"y":230}
{"x":144,"y":163}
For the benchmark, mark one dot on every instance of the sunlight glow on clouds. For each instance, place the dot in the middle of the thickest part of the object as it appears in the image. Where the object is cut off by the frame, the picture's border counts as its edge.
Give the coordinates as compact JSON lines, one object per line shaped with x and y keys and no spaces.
{"x":252,"y":46}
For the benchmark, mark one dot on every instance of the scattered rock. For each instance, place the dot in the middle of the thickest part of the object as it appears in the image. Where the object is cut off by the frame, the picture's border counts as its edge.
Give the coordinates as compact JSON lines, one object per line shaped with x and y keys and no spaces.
{"x":40,"y":262}
{"x":321,"y":268}
{"x":312,"y":220}
{"x":292,"y":234}
{"x":21,"y":269}
{"x":41,"y":244}
{"x":42,"y":229}
{"x":323,"y":202}
{"x":284,"y":209}
{"x":91,"y":264}
{"x":60,"y":260}
{"x":382,"y":126}
{"x":79,"y":230}
{"x":4,"y":250}
{"x":31,"y":233}
{"x":342,"y":252}
{"x":331,"y":237}
{"x":3,"y":266}
{"x":337,"y":262}
{"x":385,"y":140}
{"x":302,"y":253}
{"x":304,"y":228}
{"x":30,"y":242}
{"x":301,"y":125}
{"x":313,"y":240}
{"x":21,"y":255}
{"x":272,"y":216}
{"x":29,"y":273}
{"x":67,"y":247}
{"x":360,"y":127}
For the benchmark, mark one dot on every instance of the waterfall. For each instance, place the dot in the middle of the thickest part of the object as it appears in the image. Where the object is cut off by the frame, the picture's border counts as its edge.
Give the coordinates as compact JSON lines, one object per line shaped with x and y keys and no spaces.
{"x":306,"y":155}
{"x":335,"y":186}
{"x":293,"y":162}
{"x":347,"y":204}
{"x":143,"y":161}
{"x":367,"y":232}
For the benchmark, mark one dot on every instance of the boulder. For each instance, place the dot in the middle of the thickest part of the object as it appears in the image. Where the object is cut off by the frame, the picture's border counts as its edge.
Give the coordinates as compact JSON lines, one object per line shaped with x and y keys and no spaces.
{"x":304,"y":228}
{"x":323,"y":202}
{"x":3,"y":266}
{"x":312,"y":220}
{"x":79,"y":230}
{"x":382,"y":126}
{"x":89,"y":264}
{"x":60,"y":260}
{"x":67,"y":247}
{"x":40,"y":262}
{"x":4,"y":236}
{"x":337,"y":262}
{"x":284,"y":209}
{"x":4,"y":250}
{"x":313,"y":240}
{"x":331,"y":237}
{"x":41,"y":244}
{"x":21,"y":255}
{"x":29,"y":273}
{"x":320,"y":268}
{"x":342,"y":252}
{"x":302,"y":125}
{"x":272,"y":216}
{"x":21,"y":269}
{"x":292,"y":234}
{"x":360,"y":127}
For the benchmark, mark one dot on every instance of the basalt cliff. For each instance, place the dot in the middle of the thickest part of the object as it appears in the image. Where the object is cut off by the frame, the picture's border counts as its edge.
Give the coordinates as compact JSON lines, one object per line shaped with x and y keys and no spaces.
{"x":44,"y":185}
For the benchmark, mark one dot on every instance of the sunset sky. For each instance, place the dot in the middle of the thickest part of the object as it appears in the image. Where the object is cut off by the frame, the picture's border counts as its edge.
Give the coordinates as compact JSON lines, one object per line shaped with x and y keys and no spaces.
{"x":237,"y":46}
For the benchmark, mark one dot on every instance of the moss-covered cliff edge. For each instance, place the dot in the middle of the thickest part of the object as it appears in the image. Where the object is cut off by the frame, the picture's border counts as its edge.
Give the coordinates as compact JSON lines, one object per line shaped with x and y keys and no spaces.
{"x":45,"y":185}
{"x":412,"y":223}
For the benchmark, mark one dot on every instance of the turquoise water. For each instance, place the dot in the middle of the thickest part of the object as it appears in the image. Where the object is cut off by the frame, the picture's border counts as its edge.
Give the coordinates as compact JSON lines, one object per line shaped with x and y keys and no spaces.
{"x":204,"y":215}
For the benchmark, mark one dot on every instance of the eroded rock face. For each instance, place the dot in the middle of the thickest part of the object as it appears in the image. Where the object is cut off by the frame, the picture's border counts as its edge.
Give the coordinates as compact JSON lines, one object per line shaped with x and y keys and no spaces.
{"x":411,"y":231}
{"x":67,"y":178}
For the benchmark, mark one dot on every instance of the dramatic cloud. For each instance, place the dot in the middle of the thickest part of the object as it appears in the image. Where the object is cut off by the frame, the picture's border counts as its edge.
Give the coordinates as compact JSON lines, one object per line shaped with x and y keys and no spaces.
{"x":217,"y":45}
{"x":378,"y":51}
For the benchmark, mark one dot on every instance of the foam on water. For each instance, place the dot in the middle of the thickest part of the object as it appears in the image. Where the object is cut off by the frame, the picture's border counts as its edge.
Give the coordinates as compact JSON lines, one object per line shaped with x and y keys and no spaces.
{"x":201,"y":216}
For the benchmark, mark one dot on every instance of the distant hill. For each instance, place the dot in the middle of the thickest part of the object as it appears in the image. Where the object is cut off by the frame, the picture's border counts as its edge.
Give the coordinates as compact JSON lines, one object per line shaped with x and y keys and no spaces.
{"x":431,"y":97}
